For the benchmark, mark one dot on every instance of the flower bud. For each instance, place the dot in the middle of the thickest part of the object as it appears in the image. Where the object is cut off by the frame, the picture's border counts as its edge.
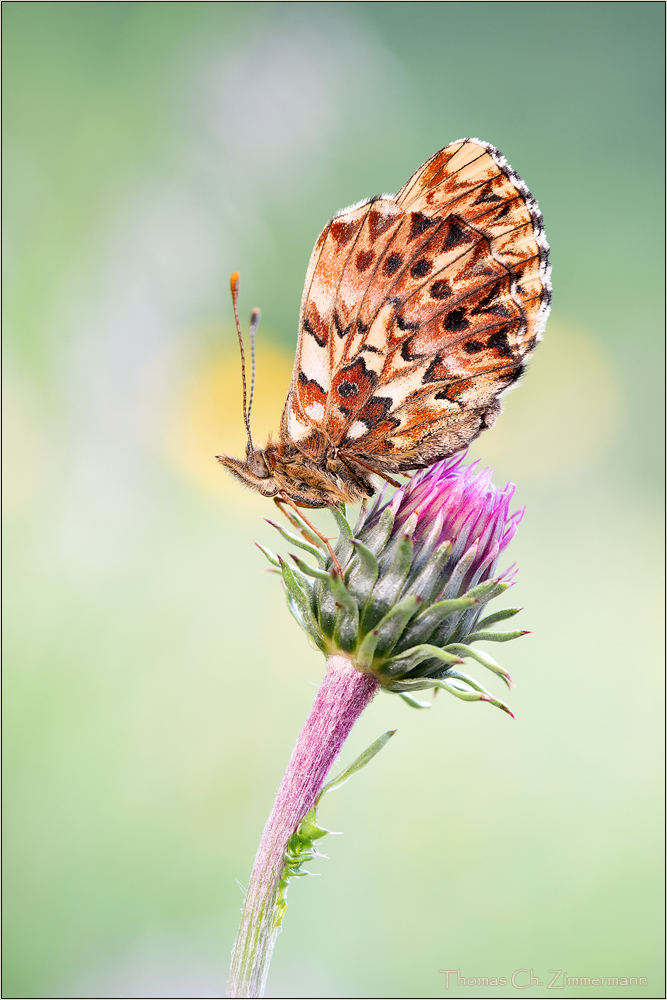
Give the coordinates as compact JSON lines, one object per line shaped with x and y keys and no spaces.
{"x":418,"y":570}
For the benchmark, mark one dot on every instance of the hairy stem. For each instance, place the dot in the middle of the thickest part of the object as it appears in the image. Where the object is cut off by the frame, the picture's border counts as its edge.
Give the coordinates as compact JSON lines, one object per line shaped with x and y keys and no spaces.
{"x":344,"y":694}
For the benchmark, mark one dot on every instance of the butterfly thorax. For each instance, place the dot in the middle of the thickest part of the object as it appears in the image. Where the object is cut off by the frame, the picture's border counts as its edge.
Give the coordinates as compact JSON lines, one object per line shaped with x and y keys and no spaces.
{"x":282,"y":468}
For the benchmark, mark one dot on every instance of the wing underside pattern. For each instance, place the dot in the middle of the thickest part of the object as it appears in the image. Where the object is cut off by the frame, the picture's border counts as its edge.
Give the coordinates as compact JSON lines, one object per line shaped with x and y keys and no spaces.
{"x":418,"y":311}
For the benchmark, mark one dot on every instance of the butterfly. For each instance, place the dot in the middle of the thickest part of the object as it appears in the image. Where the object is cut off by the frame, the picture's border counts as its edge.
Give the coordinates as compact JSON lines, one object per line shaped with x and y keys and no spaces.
{"x":418,"y":312}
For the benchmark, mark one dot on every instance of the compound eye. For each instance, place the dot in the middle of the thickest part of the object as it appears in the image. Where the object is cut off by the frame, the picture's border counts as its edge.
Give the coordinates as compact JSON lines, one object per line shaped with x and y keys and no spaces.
{"x":257,"y":465}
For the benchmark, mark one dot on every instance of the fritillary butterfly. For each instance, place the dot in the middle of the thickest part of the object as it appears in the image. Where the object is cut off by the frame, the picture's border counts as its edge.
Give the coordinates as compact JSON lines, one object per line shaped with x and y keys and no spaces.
{"x":418,"y":312}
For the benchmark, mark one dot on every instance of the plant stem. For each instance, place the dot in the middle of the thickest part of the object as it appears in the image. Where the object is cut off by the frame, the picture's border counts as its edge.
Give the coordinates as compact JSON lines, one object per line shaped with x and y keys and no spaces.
{"x":344,"y":694}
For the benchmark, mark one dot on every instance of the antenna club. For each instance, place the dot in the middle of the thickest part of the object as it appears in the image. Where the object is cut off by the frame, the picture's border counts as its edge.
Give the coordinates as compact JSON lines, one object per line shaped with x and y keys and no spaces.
{"x":234,"y":283}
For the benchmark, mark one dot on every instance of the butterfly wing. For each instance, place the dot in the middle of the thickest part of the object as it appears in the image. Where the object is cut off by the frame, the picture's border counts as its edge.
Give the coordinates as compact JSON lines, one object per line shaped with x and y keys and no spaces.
{"x":418,"y":312}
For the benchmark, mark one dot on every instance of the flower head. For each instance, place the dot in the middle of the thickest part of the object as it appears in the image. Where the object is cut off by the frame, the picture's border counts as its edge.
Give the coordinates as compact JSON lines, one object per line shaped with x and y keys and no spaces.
{"x":418,"y":570}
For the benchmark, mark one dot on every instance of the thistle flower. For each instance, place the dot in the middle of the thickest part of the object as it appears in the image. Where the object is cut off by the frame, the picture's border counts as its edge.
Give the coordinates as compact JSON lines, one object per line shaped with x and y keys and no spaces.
{"x":401,"y":615}
{"x":418,"y":570}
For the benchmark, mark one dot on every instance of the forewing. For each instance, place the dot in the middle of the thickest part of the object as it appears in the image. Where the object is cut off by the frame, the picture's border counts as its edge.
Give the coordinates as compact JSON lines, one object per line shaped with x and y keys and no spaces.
{"x":338,"y":275}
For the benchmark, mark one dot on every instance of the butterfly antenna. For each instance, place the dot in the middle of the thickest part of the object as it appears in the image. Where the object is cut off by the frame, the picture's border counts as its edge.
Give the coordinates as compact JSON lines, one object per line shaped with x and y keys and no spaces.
{"x":234,"y":288}
{"x":255,"y":317}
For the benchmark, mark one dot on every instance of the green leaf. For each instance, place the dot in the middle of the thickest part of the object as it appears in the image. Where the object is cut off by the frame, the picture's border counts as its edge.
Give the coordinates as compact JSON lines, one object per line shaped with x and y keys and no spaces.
{"x":476,"y":654}
{"x":429,"y":581}
{"x":375,"y":538}
{"x":301,"y":601}
{"x":479,"y":694}
{"x":308,"y":531}
{"x":346,"y":630}
{"x":483,"y":593}
{"x":414,"y":702}
{"x":388,"y":587}
{"x":410,"y":658}
{"x":363,"y":514}
{"x":364,"y":758}
{"x":459,"y":572}
{"x":319,"y":574}
{"x":308,"y":828}
{"x":325,"y":607}
{"x":486,"y":591}
{"x":314,"y":635}
{"x":340,"y":592}
{"x":412,"y":684}
{"x":364,"y":572}
{"x":465,"y":694}
{"x":343,"y":547}
{"x":390,"y":628}
{"x":297,"y":540}
{"x":269,"y":555}
{"x":366,"y":652}
{"x":495,"y":636}
{"x":426,"y":622}
{"x":498,"y":616}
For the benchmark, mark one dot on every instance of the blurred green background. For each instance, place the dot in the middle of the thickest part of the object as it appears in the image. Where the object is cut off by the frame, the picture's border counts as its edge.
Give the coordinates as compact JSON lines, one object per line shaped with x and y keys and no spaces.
{"x":154,"y":681}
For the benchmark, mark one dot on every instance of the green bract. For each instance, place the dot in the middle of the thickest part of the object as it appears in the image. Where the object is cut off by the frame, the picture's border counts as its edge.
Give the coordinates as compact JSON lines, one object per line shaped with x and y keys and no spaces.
{"x":408,"y":605}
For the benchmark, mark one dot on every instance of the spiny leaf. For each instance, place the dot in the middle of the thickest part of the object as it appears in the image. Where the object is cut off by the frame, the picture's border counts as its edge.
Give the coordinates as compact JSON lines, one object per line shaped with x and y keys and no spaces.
{"x":297,"y":540}
{"x":495,"y":636}
{"x":392,"y":625}
{"x":487,"y":661}
{"x":269,"y":555}
{"x":364,"y":758}
{"x":410,"y":658}
{"x":319,"y":574}
{"x":300,"y":597}
{"x":344,"y":543}
{"x":413,"y":702}
{"x":498,"y":616}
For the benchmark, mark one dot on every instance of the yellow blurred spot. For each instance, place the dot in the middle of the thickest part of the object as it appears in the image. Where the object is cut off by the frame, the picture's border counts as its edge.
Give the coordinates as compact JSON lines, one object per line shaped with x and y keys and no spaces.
{"x":209,"y":418}
{"x":563,"y":416}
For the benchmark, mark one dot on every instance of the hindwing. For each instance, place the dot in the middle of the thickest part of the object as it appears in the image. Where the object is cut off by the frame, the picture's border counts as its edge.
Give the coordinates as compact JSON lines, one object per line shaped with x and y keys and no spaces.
{"x":418,"y":311}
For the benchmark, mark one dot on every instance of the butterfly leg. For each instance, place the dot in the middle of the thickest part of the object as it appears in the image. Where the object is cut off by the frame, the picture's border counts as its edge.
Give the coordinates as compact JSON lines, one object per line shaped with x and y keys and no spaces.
{"x":284,"y":498}
{"x":278,"y":501}
{"x":366,"y":465}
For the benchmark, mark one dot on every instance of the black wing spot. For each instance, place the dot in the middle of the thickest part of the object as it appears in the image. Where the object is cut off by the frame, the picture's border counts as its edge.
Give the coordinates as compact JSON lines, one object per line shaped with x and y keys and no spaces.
{"x":392,"y":263}
{"x":456,"y":321}
{"x":421,"y":268}
{"x":419,"y":223}
{"x":308,"y":328}
{"x":440,"y":290}
{"x":340,"y":330}
{"x":346,"y":389}
{"x":490,"y":303}
{"x":406,"y":353}
{"x":515,"y":374}
{"x":498,"y":341}
{"x":487,"y":300}
{"x":445,"y":394}
{"x":376,"y":410}
{"x":456,"y":235}
{"x":432,"y":368}
{"x":304,"y":380}
{"x":473,"y":346}
{"x":403,"y":324}
{"x":486,"y":195}
{"x":364,"y":259}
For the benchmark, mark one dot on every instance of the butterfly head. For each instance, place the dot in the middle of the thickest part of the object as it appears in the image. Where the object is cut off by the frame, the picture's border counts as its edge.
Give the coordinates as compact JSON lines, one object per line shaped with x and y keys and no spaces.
{"x":255,"y":472}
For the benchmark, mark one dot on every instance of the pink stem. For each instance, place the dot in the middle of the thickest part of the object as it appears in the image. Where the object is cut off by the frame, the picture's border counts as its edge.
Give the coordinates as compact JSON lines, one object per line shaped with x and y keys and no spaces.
{"x":344,"y":694}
